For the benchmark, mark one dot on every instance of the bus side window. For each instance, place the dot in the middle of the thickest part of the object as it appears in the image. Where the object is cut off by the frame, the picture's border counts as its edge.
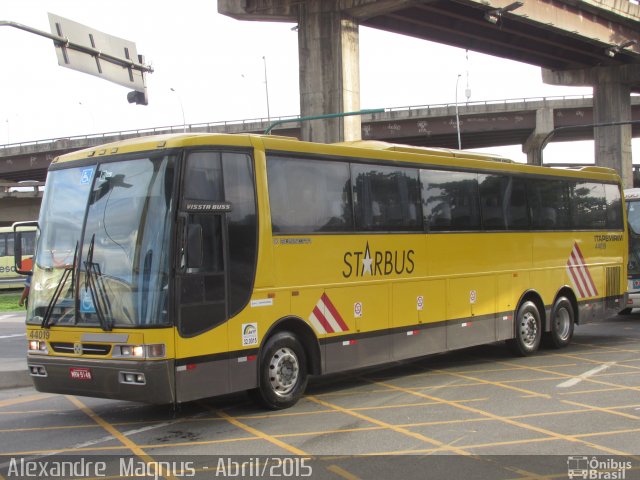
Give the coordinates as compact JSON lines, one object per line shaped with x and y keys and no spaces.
{"x":549,"y":204}
{"x":517,"y":213}
{"x":450,"y":200}
{"x":614,"y":207}
{"x":492,"y":197}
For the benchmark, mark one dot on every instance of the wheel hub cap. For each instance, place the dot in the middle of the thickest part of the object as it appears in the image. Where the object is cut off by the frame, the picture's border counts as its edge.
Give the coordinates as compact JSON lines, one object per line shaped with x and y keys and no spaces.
{"x":283,"y":371}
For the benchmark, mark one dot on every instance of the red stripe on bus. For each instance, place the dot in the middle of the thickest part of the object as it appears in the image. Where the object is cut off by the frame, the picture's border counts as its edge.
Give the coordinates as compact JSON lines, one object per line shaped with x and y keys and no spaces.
{"x":323,"y":321}
{"x":580,"y":269}
{"x":584,"y":264}
{"x":576,"y":279}
{"x":334,"y":312}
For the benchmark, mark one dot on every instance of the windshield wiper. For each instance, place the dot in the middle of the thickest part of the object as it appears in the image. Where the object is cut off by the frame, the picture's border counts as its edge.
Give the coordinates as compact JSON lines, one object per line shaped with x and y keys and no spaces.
{"x":69,"y":270}
{"x":95,"y":285}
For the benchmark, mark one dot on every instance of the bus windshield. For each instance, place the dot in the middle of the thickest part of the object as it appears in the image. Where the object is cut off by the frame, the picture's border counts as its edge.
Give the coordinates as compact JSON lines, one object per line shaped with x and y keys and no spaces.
{"x":633,"y":219}
{"x":105,"y":245}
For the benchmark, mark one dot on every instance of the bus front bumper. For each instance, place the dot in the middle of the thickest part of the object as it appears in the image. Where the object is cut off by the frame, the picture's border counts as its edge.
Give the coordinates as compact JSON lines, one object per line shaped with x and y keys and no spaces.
{"x":139,"y":381}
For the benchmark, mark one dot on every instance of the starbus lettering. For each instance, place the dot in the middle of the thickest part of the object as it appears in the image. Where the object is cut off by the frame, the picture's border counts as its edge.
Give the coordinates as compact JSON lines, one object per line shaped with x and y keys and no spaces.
{"x":377,"y":262}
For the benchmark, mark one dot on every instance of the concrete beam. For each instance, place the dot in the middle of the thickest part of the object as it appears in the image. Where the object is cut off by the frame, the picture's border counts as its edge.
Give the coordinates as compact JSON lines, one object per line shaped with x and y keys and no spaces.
{"x":19,"y":209}
{"x":612,"y":88}
{"x":544,"y":126}
{"x":287,"y":10}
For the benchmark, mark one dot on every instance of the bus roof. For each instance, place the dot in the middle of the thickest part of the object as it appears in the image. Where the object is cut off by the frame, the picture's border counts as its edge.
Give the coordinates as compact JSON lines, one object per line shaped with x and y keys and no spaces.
{"x":387,"y":151}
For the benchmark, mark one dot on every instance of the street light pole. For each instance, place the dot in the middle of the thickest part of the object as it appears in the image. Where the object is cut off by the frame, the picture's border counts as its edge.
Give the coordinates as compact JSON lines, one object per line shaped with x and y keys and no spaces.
{"x":458,"y":115}
{"x":266,"y":88}
{"x":184,"y":122}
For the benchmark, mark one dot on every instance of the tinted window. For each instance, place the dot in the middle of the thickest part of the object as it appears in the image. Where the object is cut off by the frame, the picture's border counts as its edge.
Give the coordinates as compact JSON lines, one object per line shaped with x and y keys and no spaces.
{"x":203,"y":177}
{"x":386,"y":198}
{"x":493,"y":189}
{"x":450,"y":200}
{"x":242,"y":227}
{"x":517,"y":205}
{"x":309,"y":196}
{"x":3,"y":244}
{"x":588,"y":205}
{"x":549,"y":203}
{"x":614,"y":207}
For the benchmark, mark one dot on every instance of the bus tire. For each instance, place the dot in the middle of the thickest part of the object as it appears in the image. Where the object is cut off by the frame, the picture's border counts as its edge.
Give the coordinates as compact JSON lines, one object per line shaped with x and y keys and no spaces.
{"x":282,"y":373}
{"x":528,"y":330}
{"x":562,"y":324}
{"x":625,"y":311}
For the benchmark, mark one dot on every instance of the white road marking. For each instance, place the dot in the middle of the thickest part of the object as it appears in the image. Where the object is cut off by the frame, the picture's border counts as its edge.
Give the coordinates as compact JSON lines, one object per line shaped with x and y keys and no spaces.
{"x":13,"y":335}
{"x":575,"y":380}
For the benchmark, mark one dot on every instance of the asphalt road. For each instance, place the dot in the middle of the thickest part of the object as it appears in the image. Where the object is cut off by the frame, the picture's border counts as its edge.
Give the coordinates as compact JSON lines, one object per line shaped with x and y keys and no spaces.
{"x":475,"y":413}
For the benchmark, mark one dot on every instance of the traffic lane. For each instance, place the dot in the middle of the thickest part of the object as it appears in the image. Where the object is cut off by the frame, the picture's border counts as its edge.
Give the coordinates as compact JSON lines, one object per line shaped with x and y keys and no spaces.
{"x":476,"y":401}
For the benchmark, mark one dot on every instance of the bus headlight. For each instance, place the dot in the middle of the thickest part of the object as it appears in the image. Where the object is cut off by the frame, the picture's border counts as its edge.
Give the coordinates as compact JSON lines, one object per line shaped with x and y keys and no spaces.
{"x":38,"y":346}
{"x":157,"y":350}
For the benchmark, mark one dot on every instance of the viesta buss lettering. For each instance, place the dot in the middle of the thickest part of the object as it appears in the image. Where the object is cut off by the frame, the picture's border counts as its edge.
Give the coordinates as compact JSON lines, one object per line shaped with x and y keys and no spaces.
{"x":377,"y":262}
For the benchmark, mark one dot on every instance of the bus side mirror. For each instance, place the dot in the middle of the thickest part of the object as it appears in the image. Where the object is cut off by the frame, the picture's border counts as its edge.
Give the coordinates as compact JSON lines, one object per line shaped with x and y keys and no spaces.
{"x":194,"y":245}
{"x":23,"y":266}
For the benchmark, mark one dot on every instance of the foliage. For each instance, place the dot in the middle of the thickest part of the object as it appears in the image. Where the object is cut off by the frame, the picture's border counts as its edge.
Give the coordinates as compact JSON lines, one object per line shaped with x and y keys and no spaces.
{"x":9,"y":302}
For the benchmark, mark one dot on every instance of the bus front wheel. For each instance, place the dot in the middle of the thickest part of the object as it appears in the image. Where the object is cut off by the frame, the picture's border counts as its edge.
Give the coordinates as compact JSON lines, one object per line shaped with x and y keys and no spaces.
{"x":562,"y":324}
{"x":283,"y":372}
{"x":528,"y":330}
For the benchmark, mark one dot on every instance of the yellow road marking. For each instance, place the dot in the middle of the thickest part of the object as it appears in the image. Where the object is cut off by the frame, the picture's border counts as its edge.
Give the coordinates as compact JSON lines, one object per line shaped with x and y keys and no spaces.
{"x":508,"y":421}
{"x":30,"y":398}
{"x":610,"y":411}
{"x":401,"y":430}
{"x":496,"y":384}
{"x":586,"y":380}
{"x":260,"y":434}
{"x":441,"y":445}
{"x":127,"y":442}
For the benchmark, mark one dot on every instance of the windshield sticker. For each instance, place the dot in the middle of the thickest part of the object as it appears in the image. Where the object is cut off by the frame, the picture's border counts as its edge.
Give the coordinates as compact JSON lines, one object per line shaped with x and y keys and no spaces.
{"x":249,"y":334}
{"x":86,"y":175}
{"x":262,"y":302}
{"x":86,"y":302}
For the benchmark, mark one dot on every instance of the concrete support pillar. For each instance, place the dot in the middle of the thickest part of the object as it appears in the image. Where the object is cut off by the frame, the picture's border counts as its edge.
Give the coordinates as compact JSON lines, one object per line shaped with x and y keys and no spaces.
{"x":328,"y":46}
{"x":611,"y":103}
{"x":544,"y":126}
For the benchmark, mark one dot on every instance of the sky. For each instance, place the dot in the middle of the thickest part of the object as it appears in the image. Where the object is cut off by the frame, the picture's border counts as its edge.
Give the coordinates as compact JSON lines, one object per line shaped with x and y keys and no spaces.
{"x":211,"y":67}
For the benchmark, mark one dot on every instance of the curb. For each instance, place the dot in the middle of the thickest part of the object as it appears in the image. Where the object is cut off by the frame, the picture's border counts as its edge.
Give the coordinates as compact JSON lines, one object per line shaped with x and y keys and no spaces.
{"x":15,"y":379}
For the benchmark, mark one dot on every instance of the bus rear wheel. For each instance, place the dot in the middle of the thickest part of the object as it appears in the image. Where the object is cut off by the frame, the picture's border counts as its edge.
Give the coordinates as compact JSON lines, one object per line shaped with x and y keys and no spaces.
{"x":282,"y":372}
{"x":528,"y":330}
{"x":562,"y":324}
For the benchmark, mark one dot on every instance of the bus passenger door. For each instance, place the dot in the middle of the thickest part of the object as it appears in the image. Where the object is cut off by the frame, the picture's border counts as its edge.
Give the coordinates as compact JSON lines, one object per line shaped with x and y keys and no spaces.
{"x":201,"y":281}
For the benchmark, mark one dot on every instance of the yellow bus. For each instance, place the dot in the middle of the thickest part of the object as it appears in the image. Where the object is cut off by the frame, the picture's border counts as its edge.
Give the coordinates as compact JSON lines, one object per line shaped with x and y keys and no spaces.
{"x":9,"y":278}
{"x":173,"y":268}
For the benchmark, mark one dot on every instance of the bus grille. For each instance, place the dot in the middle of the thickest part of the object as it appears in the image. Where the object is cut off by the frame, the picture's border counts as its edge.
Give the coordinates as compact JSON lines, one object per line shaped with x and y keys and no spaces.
{"x":612,"y":286}
{"x":87,"y":348}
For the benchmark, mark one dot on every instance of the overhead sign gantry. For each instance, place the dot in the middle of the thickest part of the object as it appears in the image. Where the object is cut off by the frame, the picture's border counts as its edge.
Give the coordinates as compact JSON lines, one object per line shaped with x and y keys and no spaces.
{"x":88,"y":50}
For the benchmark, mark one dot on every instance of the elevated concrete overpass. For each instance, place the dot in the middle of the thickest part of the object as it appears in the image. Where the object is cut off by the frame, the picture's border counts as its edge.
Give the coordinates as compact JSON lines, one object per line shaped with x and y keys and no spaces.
{"x":482,"y":124}
{"x":577,"y":42}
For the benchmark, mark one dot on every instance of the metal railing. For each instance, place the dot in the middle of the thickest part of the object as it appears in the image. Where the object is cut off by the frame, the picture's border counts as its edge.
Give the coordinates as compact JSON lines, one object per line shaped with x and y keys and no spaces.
{"x":191,"y":127}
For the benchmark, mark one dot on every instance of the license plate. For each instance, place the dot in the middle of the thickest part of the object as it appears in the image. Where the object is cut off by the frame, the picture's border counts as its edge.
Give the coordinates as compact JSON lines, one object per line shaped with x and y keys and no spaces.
{"x":80,"y":373}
